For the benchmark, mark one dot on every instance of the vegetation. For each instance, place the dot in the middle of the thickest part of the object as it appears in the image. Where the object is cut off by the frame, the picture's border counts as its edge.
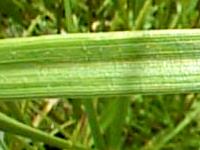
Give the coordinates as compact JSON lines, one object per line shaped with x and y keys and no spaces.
{"x":124,"y":90}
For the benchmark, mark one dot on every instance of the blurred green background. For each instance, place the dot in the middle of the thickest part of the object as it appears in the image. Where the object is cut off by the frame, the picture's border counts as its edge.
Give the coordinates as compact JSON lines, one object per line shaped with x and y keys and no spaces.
{"x":167,"y":122}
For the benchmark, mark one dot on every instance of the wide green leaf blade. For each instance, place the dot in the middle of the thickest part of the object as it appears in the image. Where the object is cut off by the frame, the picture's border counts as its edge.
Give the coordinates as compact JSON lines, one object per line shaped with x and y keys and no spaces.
{"x":161,"y":61}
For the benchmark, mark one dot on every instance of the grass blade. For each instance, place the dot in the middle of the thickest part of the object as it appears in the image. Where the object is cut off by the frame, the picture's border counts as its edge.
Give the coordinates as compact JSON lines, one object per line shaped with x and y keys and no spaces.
{"x":165,"y":61}
{"x":68,"y":15}
{"x":13,"y":126}
{"x":115,"y":130}
{"x":143,"y":13}
{"x":95,"y":129}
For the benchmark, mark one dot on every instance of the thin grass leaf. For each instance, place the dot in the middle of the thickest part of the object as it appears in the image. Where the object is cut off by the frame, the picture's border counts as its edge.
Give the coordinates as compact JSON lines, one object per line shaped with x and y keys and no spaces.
{"x":142,"y":15}
{"x":115,"y":130}
{"x":13,"y":126}
{"x":2,"y":142}
{"x":68,"y":15}
{"x":94,"y":125}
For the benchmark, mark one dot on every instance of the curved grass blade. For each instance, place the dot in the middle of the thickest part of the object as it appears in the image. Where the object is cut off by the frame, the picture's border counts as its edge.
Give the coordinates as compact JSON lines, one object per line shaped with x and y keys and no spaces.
{"x":13,"y":126}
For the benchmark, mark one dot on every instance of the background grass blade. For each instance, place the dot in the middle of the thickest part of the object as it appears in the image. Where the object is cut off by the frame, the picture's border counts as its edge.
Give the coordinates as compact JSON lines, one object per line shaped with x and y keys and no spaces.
{"x":94,"y":125}
{"x":142,"y":15}
{"x":119,"y":113}
{"x":68,"y":15}
{"x":10,"y":125}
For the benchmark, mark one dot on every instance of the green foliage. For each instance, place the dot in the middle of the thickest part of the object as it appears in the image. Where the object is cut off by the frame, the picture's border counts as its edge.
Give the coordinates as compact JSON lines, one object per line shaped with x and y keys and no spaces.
{"x":147,"y":122}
